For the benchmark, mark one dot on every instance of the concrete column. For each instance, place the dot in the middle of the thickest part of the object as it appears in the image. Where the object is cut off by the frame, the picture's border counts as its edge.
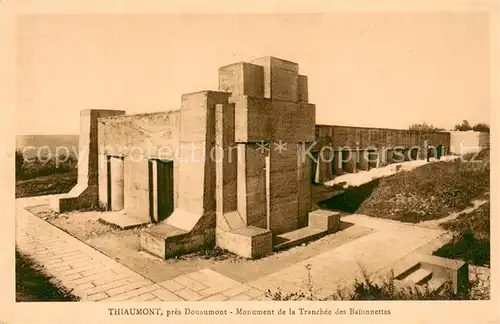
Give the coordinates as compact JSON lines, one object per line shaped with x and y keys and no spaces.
{"x":337,"y":163}
{"x":382,"y":157}
{"x":388,"y":156}
{"x":103,"y":180}
{"x":304,"y":185}
{"x":325,"y":158}
{"x":283,"y":191}
{"x":117,"y":183}
{"x":363,"y":160}
{"x":349,"y":161}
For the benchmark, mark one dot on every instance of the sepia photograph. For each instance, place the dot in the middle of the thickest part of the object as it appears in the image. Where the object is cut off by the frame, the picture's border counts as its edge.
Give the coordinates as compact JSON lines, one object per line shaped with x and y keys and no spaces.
{"x":259,"y":157}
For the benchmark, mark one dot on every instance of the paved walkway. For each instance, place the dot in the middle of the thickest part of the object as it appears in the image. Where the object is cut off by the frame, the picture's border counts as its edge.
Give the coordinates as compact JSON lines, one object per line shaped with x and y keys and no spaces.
{"x":92,"y":276}
{"x":96,"y":277}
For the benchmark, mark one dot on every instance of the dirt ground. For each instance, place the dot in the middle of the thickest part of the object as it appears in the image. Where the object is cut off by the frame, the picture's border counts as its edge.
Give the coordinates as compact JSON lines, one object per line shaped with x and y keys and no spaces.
{"x":124,"y":247}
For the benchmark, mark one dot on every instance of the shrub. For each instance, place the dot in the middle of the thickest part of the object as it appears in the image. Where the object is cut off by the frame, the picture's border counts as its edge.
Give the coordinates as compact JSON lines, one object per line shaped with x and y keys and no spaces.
{"x":19,"y":164}
{"x":471,"y":242}
{"x":35,"y":168}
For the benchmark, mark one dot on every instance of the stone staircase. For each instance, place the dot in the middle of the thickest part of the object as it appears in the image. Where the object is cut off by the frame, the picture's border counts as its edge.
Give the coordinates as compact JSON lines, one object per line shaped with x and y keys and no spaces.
{"x":421,"y":278}
{"x":424,"y":272}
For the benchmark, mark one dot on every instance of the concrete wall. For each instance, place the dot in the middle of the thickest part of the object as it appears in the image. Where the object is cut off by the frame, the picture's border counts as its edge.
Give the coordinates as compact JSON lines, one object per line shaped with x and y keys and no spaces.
{"x":363,"y":137}
{"x":465,"y":142}
{"x":137,"y":138}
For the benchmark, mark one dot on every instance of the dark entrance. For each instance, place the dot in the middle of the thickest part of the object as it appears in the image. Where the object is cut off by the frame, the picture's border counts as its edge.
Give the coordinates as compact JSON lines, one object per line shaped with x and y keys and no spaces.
{"x":165,"y":188}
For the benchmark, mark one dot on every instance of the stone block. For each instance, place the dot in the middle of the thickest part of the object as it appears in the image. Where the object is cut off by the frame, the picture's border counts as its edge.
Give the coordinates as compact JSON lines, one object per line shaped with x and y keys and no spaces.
{"x":247,"y":242}
{"x":280,"y":78}
{"x":251,"y":119}
{"x":325,"y":220}
{"x":242,"y":79}
{"x":303,"y":89}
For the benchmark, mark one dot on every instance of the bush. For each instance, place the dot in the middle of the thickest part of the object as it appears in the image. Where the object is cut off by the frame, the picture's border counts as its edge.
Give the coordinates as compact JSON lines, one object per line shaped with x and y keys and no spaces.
{"x":471,"y":242}
{"x":35,"y":168}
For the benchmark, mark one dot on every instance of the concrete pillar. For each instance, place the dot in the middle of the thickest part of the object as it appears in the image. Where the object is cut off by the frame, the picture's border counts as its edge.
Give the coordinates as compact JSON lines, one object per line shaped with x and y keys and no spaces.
{"x":303,"y":185}
{"x":252,"y":180}
{"x":117,"y":183}
{"x":388,"y":156}
{"x":283,"y":190}
{"x":103,"y":180}
{"x":86,"y":192}
{"x":349,"y":161}
{"x":382,"y":157}
{"x":303,"y":89}
{"x":337,"y":163}
{"x":363,"y":160}
{"x":197,"y":139}
{"x":325,"y":158}
{"x":373,"y":159}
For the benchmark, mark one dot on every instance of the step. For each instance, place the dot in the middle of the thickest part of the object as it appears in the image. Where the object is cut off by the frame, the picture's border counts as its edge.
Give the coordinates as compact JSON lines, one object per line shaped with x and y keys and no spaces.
{"x":122,"y":220}
{"x":419,"y":276}
{"x":157,"y":240}
{"x":298,"y":237}
{"x":436,"y":284}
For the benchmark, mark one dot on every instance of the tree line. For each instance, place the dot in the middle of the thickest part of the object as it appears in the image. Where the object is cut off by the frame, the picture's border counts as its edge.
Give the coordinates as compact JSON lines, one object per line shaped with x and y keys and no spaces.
{"x":463,"y":127}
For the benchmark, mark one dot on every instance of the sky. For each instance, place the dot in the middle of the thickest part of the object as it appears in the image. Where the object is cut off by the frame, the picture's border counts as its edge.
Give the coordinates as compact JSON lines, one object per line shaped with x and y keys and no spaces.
{"x":364,"y":69}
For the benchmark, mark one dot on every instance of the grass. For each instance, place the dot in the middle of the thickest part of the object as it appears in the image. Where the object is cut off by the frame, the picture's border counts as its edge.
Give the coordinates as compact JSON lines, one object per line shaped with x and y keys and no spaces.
{"x":33,"y":285}
{"x":471,"y":242}
{"x":428,"y":192}
{"x":46,"y":185}
{"x":44,"y":177}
